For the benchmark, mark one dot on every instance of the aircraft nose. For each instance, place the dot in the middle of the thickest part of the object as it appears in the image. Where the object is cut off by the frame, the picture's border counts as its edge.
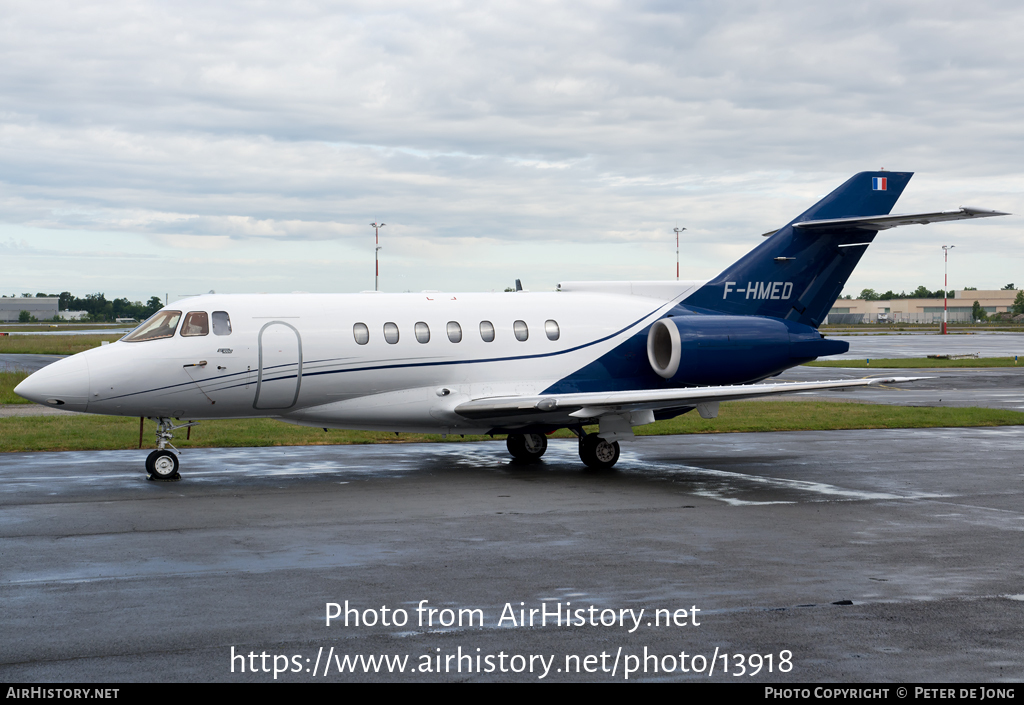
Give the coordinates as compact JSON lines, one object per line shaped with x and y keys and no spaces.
{"x":64,"y":384}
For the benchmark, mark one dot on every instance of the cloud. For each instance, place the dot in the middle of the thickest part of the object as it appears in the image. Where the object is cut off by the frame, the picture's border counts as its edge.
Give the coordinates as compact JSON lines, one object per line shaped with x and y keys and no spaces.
{"x":593,"y":125}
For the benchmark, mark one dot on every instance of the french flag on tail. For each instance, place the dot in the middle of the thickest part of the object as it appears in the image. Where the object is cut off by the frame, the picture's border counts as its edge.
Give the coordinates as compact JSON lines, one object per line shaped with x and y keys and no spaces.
{"x":878,"y":183}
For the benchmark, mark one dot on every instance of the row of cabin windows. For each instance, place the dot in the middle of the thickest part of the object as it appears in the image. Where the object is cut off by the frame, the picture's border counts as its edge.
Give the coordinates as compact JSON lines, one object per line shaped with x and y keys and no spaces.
{"x":196,"y":323}
{"x":453,"y":329}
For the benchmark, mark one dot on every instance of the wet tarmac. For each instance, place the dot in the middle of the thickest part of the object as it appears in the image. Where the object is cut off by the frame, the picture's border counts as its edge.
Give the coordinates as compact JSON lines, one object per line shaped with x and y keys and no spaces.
{"x":993,"y":387}
{"x":849,"y":556}
{"x":107,"y":577}
{"x":922,"y":345}
{"x":16,"y":362}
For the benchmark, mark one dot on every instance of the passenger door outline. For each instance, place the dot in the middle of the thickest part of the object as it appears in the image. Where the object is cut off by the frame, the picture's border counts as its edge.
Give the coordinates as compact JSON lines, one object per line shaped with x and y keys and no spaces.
{"x":272,"y":397}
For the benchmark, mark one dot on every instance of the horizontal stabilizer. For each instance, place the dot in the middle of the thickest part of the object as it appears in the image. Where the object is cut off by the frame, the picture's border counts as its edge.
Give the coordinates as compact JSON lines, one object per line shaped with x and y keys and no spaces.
{"x":599,"y":403}
{"x":884,"y":222}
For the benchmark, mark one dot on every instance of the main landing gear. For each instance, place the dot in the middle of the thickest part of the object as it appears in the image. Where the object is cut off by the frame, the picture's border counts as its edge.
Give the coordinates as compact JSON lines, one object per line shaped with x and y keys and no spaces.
{"x":595,"y":452}
{"x":528,"y":447}
{"x":162,"y":464}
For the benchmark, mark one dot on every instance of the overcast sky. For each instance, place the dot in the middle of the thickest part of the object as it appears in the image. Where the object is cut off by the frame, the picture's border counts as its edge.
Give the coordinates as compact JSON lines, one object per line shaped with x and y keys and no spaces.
{"x":152,"y":148}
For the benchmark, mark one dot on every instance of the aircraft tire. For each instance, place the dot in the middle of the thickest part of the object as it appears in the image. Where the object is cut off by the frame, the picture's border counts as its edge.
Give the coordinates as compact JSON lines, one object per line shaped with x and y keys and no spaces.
{"x":597,"y":453}
{"x":162,"y":465}
{"x":528,"y":447}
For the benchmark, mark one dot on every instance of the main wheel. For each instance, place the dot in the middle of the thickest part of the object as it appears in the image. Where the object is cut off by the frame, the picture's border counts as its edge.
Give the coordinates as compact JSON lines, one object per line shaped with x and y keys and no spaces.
{"x":527,"y":446}
{"x":162,"y":465}
{"x":597,"y":453}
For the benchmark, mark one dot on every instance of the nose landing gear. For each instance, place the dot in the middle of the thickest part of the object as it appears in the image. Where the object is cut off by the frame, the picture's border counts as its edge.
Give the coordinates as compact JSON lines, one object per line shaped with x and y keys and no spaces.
{"x":162,"y":464}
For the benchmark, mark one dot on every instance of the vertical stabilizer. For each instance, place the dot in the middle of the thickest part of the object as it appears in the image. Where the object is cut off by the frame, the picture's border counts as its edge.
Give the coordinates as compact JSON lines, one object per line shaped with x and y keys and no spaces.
{"x":798,"y":273}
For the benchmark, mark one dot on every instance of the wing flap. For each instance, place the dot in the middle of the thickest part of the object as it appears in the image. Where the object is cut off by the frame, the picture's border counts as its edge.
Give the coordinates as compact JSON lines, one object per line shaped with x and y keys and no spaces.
{"x":595,"y":404}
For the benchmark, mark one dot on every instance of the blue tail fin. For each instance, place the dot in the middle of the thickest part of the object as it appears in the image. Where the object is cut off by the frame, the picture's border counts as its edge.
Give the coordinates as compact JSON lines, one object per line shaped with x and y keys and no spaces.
{"x":797,"y":274}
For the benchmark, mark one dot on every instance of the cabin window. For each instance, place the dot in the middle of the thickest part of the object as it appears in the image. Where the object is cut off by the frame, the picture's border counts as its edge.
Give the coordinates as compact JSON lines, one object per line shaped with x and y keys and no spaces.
{"x":161,"y":325}
{"x":391,"y":333}
{"x":221,"y":323}
{"x":487,"y":331}
{"x":521,"y":331}
{"x":454,"y":332}
{"x":361,"y":333}
{"x":422,"y":331}
{"x":196,"y":323}
{"x":551,"y":329}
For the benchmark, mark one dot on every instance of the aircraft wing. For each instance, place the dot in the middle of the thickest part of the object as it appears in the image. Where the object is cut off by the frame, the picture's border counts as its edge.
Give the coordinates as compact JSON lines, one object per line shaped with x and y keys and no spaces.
{"x":884,"y":222}
{"x":596,"y":404}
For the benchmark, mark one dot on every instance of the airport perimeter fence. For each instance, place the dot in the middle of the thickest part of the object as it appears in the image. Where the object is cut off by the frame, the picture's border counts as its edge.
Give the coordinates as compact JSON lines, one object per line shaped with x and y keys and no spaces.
{"x":931,"y":318}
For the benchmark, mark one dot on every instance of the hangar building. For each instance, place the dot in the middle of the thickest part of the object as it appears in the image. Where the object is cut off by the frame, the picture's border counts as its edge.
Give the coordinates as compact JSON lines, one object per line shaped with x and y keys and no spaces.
{"x":43,"y":308}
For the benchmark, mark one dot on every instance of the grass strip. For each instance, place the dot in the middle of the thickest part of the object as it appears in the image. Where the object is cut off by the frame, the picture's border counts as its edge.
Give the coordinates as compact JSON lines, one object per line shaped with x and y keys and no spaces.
{"x":8,"y":381}
{"x":917,"y":363}
{"x":953,"y":329}
{"x":87,"y":432}
{"x":53,"y":344}
{"x":37,"y":327}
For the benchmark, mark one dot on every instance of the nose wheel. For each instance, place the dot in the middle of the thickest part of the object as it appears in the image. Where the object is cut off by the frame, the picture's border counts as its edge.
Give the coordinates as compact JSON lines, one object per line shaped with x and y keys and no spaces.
{"x":162,"y":464}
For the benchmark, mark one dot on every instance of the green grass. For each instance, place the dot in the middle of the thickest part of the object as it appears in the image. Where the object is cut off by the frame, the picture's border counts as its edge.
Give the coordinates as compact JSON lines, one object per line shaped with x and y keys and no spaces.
{"x":917,"y":362}
{"x":48,"y":433}
{"x":8,"y":381}
{"x":47,"y":326}
{"x":744,"y":416}
{"x":953,"y":328}
{"x":87,"y":432}
{"x":53,"y":344}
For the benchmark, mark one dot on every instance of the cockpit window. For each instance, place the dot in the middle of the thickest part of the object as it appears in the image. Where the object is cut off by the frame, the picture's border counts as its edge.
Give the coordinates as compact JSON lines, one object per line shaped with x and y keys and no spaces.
{"x":221,"y":323}
{"x":196,"y":323}
{"x":160,"y":325}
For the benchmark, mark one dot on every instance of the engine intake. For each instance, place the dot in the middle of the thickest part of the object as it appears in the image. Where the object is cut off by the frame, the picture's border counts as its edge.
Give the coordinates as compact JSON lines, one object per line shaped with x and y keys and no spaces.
{"x":664,"y":348}
{"x":698,"y":350}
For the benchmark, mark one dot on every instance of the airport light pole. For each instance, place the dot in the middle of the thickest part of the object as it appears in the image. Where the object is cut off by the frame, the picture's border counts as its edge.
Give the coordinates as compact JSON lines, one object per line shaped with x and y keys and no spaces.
{"x":677,"y":231}
{"x":376,"y":258}
{"x":945,"y":285}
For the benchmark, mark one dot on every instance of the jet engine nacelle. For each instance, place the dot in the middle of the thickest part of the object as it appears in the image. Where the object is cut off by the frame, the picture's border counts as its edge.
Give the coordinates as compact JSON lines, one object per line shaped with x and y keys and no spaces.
{"x":698,"y":350}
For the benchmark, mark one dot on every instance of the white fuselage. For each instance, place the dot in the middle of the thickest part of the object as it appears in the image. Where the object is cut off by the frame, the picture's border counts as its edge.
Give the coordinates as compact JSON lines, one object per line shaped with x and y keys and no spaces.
{"x":296,"y":357}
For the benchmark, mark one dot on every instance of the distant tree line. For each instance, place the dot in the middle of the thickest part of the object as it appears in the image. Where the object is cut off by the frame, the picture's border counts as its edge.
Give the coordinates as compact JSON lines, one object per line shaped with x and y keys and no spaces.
{"x":99,"y":309}
{"x":921,"y":292}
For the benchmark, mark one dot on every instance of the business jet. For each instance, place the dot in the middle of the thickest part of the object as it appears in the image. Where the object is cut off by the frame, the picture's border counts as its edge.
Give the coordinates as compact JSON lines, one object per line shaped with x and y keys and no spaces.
{"x":615,"y":354}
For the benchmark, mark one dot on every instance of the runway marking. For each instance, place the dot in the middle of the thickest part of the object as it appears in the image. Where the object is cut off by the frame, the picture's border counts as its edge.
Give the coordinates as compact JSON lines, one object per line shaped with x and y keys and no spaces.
{"x":737,"y":502}
{"x":776,"y":482}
